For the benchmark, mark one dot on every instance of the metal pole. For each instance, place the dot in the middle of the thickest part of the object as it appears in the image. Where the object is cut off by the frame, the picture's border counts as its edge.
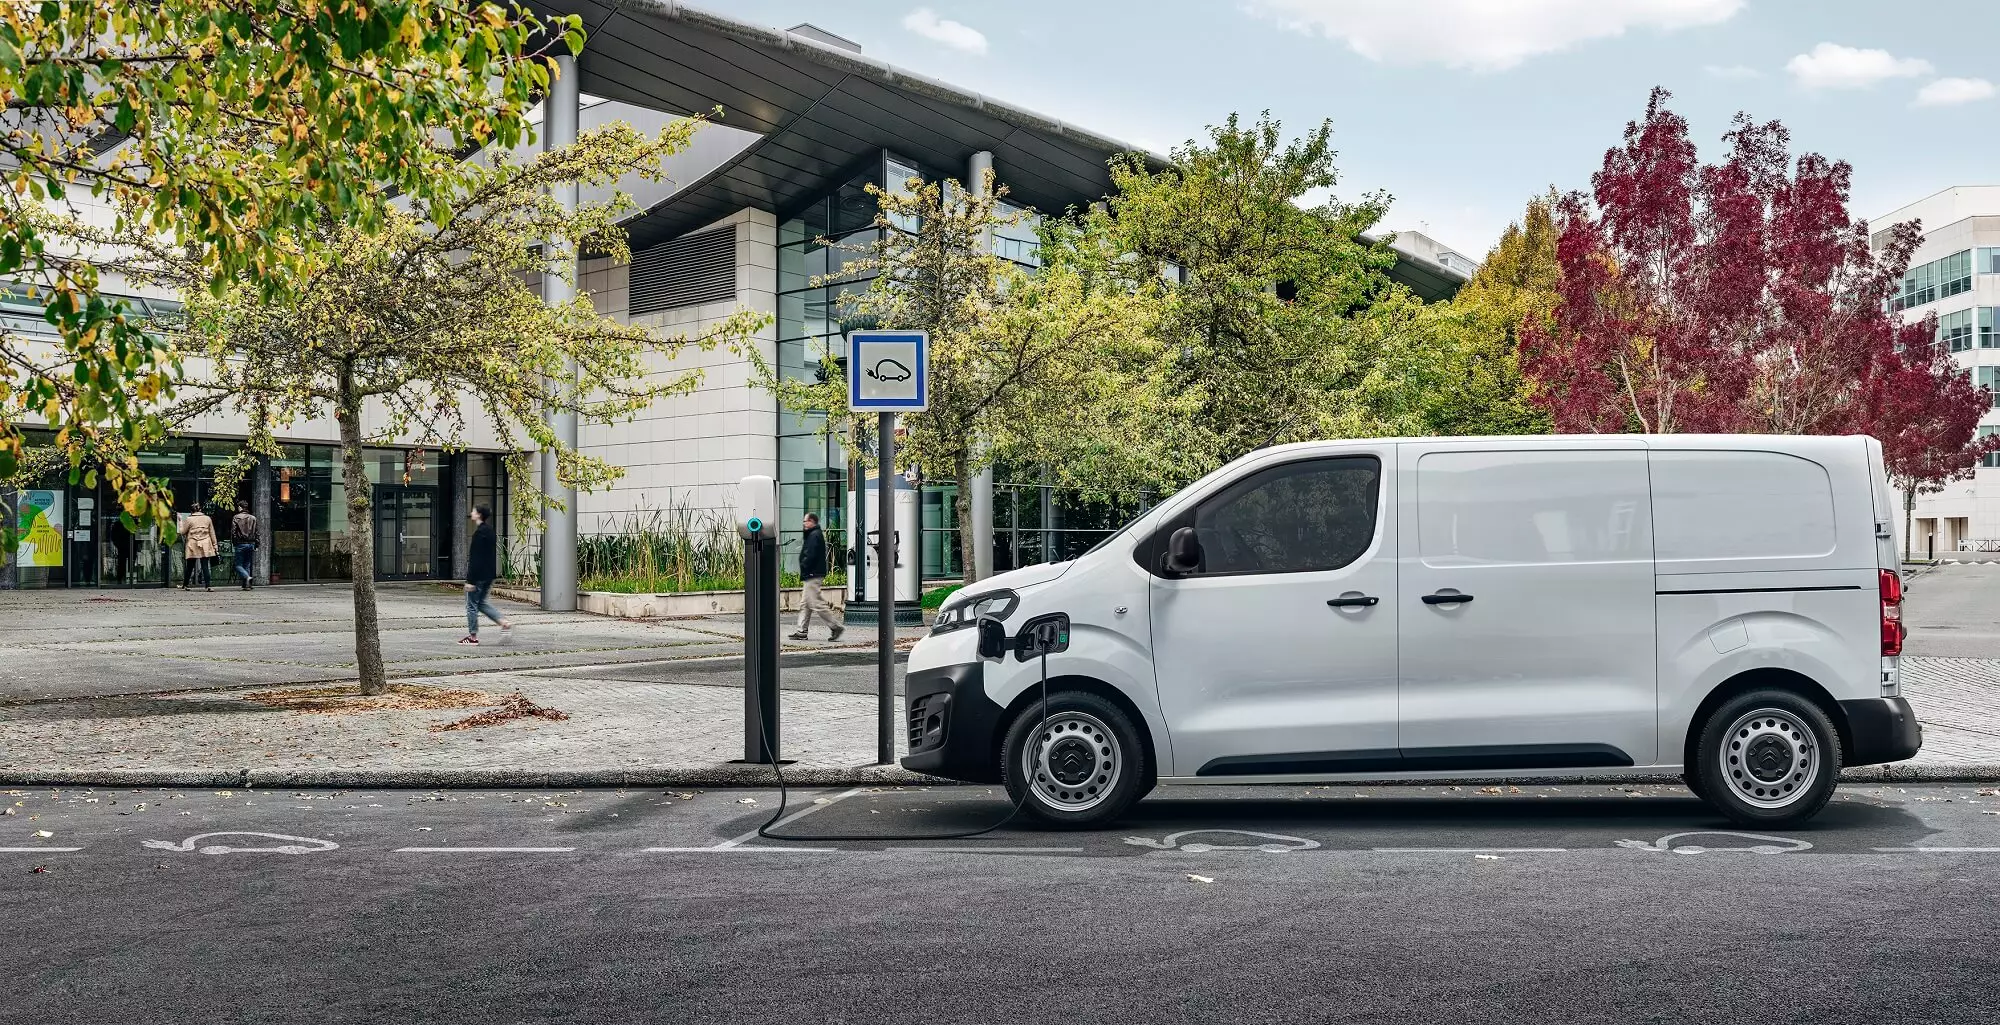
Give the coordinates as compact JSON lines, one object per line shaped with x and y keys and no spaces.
{"x":563,"y":109}
{"x":980,"y":506}
{"x":885,"y":596}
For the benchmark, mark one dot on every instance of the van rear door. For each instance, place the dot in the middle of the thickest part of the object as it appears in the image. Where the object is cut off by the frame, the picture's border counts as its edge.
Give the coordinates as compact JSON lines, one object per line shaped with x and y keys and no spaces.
{"x":1527,"y":635}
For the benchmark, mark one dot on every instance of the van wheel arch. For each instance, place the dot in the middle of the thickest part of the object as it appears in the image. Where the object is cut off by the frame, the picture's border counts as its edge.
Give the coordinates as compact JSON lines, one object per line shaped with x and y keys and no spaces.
{"x":1032,"y":696}
{"x":1775,"y":678}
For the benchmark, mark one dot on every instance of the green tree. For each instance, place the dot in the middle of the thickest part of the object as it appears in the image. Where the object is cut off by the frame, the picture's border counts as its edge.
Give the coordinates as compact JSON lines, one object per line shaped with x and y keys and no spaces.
{"x":1008,"y":349}
{"x":231,"y":128}
{"x":1479,"y":388}
{"x":1258,"y":339}
{"x":413,"y":329}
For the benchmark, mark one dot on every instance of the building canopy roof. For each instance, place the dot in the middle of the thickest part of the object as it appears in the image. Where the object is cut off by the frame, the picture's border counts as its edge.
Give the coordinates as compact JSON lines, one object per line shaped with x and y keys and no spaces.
{"x":822,"y":111}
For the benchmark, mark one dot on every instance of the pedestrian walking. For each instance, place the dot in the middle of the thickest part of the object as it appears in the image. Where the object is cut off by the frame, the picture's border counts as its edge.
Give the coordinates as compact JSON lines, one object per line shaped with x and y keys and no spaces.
{"x":480,"y":572}
{"x":812,"y":573}
{"x":198,"y":545}
{"x":246,"y":534}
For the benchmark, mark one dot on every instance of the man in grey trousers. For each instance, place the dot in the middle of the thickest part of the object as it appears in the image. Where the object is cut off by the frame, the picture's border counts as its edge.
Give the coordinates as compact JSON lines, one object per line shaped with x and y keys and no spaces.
{"x":812,"y":572}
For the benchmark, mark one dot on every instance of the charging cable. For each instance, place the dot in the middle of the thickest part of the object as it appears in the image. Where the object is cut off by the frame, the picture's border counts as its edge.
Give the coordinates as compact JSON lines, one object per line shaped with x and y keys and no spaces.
{"x":1044,"y":636}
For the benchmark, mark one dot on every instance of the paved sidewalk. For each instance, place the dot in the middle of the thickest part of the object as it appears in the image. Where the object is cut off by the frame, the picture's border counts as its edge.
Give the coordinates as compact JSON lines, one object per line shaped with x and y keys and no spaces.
{"x":90,"y":643}
{"x":664,"y":724}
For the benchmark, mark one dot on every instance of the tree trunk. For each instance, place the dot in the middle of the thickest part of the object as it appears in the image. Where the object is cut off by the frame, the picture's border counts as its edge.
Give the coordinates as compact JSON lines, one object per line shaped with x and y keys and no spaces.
{"x":961,"y":469}
{"x":361,"y":552}
{"x":1909,"y":510}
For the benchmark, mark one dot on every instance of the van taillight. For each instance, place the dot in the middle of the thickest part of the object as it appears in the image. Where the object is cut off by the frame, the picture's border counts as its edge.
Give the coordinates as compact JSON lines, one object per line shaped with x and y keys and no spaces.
{"x":1892,"y":612}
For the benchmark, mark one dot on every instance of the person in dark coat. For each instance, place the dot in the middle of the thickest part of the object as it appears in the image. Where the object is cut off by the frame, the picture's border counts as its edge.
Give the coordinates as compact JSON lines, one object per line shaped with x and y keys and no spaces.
{"x":480,"y":571}
{"x":812,"y":573}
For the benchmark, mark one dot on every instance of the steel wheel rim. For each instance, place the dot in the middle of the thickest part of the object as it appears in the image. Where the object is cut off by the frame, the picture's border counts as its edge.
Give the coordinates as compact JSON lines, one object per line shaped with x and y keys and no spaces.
{"x":1072,"y":762}
{"x":1769,"y":758}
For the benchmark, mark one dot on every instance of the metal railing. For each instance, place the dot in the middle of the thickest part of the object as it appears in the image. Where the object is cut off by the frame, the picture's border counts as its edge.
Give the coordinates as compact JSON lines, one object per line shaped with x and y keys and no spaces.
{"x":1969,"y":544}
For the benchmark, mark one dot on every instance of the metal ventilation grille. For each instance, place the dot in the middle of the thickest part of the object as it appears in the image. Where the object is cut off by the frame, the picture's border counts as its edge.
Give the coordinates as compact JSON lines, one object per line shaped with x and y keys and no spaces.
{"x":688,"y":271}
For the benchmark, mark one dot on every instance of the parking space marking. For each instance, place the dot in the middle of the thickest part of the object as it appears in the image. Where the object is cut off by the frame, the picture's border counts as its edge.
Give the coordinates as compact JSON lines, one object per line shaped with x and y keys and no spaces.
{"x":484,"y":850}
{"x":39,"y":850}
{"x":990,"y":850}
{"x":794,"y":817}
{"x":740,"y":849}
{"x":1938,"y":850}
{"x":1469,"y":850}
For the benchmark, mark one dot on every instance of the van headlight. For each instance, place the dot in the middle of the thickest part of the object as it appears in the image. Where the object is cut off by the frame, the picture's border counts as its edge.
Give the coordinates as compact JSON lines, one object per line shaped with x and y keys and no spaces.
{"x":966,"y":611}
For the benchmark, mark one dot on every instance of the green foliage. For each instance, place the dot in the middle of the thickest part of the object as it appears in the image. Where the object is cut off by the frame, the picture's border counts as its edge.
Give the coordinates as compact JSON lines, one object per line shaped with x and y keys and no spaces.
{"x":661,"y":551}
{"x":231,"y":130}
{"x":935,"y":598}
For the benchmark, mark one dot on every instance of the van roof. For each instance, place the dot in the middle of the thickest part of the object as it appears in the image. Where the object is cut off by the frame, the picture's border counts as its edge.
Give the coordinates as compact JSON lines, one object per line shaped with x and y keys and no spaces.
{"x":1752,"y":442}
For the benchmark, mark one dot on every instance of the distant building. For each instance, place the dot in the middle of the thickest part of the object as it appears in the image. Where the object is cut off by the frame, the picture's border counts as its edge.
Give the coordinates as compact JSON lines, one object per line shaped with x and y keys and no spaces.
{"x":1955,"y":274}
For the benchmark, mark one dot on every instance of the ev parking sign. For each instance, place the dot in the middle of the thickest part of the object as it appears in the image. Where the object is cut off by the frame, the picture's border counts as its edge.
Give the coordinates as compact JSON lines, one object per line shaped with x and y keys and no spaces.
{"x":888,"y":371}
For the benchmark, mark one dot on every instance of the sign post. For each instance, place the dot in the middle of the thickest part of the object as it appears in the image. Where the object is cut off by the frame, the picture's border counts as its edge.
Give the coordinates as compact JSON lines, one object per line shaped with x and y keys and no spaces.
{"x":887,"y":373}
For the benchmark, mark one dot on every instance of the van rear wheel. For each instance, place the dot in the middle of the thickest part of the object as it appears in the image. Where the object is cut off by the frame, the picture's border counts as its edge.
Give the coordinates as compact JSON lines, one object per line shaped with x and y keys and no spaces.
{"x":1768,"y":758}
{"x":1080,"y":766}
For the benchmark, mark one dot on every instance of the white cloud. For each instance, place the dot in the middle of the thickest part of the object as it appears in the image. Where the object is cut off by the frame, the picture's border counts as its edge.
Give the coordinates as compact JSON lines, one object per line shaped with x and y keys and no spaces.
{"x":1832,"y":66}
{"x":1947,"y":91}
{"x":955,"y":34}
{"x":1732,"y":71}
{"x":1483,"y":35}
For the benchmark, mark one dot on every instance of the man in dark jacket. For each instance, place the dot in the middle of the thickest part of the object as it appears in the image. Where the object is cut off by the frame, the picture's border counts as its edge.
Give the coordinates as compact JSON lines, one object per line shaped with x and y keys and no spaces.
{"x":480,"y":572}
{"x":812,"y":572}
{"x":245,"y":533}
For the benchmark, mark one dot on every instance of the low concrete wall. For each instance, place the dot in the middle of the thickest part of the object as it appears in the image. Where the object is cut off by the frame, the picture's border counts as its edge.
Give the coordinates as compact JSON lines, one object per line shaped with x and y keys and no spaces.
{"x":667,"y":606}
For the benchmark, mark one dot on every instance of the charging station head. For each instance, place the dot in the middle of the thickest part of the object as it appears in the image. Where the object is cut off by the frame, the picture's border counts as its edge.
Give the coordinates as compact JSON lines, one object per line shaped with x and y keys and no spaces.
{"x":757,"y":506}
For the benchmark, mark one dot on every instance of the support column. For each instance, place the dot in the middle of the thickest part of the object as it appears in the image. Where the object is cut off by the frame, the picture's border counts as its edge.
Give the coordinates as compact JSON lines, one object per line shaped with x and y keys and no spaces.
{"x":461,"y":515}
{"x":981,"y":484}
{"x":561,"y":110}
{"x":260,"y":507}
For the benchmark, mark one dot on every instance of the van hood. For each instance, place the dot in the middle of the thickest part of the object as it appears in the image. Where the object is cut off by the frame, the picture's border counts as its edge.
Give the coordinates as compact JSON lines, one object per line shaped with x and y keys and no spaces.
{"x":1015,"y":579}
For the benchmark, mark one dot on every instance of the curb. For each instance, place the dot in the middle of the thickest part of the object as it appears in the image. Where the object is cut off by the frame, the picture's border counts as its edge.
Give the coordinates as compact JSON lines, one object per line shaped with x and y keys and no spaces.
{"x":739,"y":775}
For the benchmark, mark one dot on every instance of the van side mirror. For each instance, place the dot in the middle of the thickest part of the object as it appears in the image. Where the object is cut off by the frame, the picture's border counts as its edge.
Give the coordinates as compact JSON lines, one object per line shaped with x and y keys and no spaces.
{"x":1183,"y":552}
{"x":992,"y":639}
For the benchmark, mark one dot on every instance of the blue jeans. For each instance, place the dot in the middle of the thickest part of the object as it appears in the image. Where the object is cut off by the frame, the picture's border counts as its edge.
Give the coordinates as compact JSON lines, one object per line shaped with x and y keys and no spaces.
{"x":246,"y":558}
{"x":476,"y":603}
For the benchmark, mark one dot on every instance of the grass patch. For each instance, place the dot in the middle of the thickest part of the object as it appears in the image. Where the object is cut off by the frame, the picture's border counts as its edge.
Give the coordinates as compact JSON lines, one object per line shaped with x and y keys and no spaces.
{"x":934,"y":598}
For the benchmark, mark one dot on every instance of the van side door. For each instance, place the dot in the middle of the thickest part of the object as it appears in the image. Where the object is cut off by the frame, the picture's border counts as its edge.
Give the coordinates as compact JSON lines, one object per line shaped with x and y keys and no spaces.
{"x":1528,"y":610}
{"x":1277,"y":655}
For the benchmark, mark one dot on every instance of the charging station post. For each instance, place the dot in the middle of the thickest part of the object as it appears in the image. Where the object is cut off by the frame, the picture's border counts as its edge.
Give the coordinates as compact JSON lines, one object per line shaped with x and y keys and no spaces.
{"x":756,"y":521}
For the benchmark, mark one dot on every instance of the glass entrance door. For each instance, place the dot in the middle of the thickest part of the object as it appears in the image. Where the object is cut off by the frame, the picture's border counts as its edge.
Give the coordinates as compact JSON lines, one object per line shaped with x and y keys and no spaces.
{"x":405,"y":532}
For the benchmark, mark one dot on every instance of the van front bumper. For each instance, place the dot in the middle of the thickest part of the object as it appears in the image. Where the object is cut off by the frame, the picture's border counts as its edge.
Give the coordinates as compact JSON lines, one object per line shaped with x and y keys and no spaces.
{"x":1881,"y":730}
{"x":953,"y":728}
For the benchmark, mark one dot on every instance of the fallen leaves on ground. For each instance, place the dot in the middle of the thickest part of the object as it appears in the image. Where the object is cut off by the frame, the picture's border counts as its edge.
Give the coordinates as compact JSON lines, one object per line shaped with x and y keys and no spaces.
{"x":348,"y":698}
{"x":513,"y":706}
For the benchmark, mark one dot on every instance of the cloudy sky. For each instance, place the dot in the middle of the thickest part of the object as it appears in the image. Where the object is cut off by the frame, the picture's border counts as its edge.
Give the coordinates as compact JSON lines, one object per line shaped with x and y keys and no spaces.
{"x":1462,"y":109}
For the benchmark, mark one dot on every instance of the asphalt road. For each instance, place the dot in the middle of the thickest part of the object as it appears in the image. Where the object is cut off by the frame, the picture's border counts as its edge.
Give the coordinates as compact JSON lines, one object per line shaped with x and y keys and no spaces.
{"x":1574,"y":904}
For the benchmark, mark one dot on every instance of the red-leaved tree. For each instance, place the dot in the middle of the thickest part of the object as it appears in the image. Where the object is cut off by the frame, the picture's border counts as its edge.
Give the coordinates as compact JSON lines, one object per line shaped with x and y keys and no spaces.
{"x":1739,"y":296}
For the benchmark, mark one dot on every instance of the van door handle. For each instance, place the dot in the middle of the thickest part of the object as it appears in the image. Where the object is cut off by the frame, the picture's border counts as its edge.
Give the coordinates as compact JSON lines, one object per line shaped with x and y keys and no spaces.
{"x":1442,"y":598}
{"x":1362,"y":601}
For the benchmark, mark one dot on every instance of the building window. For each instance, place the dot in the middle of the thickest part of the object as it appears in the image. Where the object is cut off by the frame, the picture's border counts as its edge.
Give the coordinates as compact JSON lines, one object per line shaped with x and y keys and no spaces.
{"x":1989,"y":334}
{"x":1988,"y":377}
{"x":1988,"y":261}
{"x":1990,"y":460}
{"x":1936,"y":280}
{"x":1954,"y":331}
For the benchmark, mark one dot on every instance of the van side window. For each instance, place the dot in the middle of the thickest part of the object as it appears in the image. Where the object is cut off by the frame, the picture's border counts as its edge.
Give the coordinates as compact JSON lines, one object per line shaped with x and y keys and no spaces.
{"x":1501,"y":508}
{"x":1740,"y":505}
{"x":1303,"y":517}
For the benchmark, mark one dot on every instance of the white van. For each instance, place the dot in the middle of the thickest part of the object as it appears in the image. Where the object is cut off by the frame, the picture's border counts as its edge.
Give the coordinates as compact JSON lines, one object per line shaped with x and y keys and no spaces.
{"x":1723,"y":607}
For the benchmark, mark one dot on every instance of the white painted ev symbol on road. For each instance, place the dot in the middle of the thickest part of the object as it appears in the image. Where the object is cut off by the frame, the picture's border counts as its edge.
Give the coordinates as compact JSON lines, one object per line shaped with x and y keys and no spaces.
{"x":1276,"y":843}
{"x":1773,"y":844}
{"x":298,"y":844}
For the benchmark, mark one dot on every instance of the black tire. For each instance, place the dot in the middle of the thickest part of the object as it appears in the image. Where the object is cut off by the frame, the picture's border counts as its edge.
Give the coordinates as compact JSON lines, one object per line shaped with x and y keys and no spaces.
{"x":1099,"y":759}
{"x":1768,"y":759}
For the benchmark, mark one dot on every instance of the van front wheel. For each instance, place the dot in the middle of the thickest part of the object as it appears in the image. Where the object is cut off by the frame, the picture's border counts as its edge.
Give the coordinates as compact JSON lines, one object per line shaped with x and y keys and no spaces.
{"x":1080,"y":766}
{"x":1769,"y":759}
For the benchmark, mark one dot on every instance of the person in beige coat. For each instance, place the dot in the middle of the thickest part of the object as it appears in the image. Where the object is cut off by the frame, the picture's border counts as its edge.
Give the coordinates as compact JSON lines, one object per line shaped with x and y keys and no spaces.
{"x":198,"y":535}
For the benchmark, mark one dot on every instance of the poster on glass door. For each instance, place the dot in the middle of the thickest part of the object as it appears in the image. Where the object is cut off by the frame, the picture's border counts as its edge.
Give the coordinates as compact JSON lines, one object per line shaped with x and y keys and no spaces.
{"x":41,"y":529}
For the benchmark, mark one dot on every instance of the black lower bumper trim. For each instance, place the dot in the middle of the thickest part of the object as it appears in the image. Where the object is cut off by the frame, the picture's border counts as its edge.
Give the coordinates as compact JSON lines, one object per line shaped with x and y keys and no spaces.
{"x":954,"y":726}
{"x":1881,"y":730}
